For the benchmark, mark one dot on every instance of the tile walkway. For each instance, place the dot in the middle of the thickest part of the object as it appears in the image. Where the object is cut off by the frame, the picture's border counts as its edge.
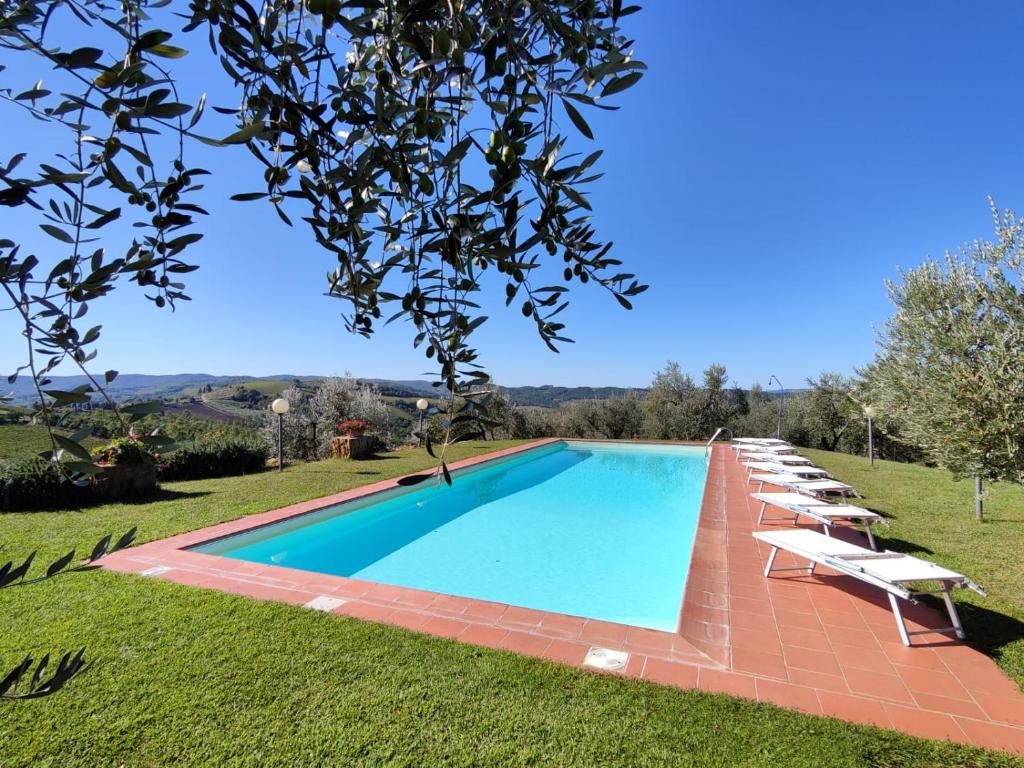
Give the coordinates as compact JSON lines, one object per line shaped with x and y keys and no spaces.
{"x":823,"y":644}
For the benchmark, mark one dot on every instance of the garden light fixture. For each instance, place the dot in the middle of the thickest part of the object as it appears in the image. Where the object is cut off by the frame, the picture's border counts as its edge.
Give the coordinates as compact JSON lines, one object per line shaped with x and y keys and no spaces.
{"x":280,"y":407}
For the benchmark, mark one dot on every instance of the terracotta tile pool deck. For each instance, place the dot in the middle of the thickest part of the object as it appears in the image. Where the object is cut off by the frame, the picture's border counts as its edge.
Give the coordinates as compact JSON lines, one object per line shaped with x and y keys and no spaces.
{"x":824,"y":644}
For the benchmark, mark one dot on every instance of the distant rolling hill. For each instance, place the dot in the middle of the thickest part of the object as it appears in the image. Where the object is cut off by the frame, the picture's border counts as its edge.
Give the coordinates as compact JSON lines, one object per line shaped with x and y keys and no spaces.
{"x":128,"y":386}
{"x":137,"y":386}
{"x":549,"y":396}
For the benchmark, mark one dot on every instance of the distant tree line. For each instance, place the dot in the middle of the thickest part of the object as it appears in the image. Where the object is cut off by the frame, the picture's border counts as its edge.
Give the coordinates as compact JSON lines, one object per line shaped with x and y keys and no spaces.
{"x":676,"y":407}
{"x":946,"y":387}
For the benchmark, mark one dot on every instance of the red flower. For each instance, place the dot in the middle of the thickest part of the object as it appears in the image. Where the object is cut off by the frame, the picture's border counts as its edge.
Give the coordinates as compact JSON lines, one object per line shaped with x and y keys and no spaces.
{"x":351,"y":426}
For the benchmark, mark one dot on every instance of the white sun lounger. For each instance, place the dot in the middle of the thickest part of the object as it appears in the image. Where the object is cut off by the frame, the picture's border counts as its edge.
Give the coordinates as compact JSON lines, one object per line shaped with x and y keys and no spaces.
{"x":801,"y":470}
{"x":763,"y":440}
{"x":802,"y":485}
{"x":768,"y":448}
{"x":779,"y":450}
{"x":760,"y":466}
{"x":789,"y":458}
{"x":824,"y":512}
{"x":776,"y":448}
{"x":893,"y":572}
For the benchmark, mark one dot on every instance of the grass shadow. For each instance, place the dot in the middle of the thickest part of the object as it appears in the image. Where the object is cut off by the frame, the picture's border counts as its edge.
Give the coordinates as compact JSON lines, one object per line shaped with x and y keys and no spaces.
{"x":882,"y":512}
{"x":901,"y":545}
{"x":158,"y":495}
{"x":987,"y":631}
{"x":162,"y":494}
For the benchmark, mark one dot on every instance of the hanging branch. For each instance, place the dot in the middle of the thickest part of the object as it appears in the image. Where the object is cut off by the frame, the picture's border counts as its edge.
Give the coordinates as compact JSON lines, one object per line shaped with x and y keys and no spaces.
{"x":111,"y":102}
{"x":435,"y":135}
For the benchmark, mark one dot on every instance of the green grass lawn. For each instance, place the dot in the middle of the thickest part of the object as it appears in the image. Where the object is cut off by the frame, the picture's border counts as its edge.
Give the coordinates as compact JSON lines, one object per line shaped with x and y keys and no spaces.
{"x":29,"y":440}
{"x":185,"y":677}
{"x":22,"y":439}
{"x":933,"y":517}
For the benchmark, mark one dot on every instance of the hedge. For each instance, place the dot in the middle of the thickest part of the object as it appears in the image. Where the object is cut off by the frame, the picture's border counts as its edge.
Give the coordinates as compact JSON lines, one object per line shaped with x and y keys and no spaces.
{"x":218,"y":458}
{"x":35,"y":483}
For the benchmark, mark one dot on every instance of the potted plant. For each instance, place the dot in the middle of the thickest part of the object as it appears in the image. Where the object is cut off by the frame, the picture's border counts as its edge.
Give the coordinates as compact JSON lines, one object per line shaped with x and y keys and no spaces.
{"x":352,"y":428}
{"x":129,"y":469}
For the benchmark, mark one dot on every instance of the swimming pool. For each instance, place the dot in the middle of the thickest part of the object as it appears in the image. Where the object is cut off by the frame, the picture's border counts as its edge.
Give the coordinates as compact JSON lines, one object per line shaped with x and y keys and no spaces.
{"x":598,"y":530}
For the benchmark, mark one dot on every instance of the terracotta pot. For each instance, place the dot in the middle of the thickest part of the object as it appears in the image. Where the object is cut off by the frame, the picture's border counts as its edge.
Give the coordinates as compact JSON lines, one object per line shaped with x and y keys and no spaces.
{"x":125,"y":480}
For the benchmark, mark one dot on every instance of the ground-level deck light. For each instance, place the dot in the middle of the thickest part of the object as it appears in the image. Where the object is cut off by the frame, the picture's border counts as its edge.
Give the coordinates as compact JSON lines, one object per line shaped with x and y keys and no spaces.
{"x":280,"y":407}
{"x":421,"y":405}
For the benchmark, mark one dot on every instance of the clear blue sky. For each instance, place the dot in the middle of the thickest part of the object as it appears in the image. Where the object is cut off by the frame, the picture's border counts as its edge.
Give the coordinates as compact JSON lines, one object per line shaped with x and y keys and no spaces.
{"x":779,"y":161}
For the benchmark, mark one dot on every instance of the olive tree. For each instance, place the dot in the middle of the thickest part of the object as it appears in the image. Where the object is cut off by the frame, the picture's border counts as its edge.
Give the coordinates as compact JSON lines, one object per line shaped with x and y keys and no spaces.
{"x":423,"y":145}
{"x":298,"y":433}
{"x":339,"y":399}
{"x":714,"y":406}
{"x":315,"y":411}
{"x":950,"y":364}
{"x":830,"y":410}
{"x":675,"y":408}
{"x":426,"y":143}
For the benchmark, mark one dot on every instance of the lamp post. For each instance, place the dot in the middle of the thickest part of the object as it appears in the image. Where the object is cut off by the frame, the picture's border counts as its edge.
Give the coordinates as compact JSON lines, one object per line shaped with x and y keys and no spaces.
{"x":869,"y":414}
{"x":280,"y":407}
{"x":421,"y":406}
{"x":778,"y":422}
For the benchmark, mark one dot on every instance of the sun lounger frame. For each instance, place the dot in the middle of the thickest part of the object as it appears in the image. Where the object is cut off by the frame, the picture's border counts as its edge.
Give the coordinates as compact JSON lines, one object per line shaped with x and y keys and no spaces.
{"x":764,"y":478}
{"x":807,"y":510}
{"x":846,"y":564}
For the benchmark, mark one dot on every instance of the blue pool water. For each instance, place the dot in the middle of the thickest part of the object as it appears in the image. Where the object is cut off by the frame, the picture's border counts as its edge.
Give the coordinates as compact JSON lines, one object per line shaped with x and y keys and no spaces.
{"x":598,"y":530}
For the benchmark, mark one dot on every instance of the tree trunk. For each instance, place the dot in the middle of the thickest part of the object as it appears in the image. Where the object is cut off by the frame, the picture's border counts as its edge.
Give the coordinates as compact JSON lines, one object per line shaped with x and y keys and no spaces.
{"x":979,"y":504}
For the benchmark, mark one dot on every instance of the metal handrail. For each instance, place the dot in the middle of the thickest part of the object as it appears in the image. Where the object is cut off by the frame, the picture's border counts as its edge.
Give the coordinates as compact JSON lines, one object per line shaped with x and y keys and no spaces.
{"x":718,"y":431}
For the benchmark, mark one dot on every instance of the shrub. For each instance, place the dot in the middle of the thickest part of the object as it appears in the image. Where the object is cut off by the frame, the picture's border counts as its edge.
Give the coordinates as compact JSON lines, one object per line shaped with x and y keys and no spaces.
{"x":129,"y":469}
{"x":30,"y":483}
{"x":315,"y":413}
{"x":123,"y":451}
{"x":218,"y":458}
{"x":35,"y":483}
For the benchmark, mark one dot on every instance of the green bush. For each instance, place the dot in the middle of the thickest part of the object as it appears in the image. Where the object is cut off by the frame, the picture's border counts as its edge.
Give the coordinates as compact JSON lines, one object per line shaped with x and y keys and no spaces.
{"x":122,"y":452}
{"x":129,"y":470}
{"x":31,"y":483}
{"x":35,"y":483}
{"x":216,"y":458}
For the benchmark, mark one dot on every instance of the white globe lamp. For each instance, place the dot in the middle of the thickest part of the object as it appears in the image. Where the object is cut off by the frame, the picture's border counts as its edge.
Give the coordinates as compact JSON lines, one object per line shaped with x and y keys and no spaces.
{"x":421,"y":405}
{"x":280,"y":406}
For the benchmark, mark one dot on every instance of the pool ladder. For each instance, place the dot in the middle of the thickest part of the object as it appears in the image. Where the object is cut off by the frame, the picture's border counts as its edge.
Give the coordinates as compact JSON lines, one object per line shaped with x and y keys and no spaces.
{"x":720,"y":430}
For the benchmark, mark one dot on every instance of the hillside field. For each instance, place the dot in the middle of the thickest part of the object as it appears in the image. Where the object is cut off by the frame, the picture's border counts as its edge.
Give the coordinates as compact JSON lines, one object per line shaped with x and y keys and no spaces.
{"x":29,"y":439}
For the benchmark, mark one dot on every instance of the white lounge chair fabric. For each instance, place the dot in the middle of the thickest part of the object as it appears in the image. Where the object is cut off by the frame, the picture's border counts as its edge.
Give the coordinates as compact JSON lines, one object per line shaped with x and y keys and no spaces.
{"x":802,"y":485}
{"x":889,"y":571}
{"x":761,"y":466}
{"x":763,"y":448}
{"x":802,"y":470}
{"x":780,"y":458}
{"x":791,"y":458}
{"x":766,"y":448}
{"x":822,"y":511}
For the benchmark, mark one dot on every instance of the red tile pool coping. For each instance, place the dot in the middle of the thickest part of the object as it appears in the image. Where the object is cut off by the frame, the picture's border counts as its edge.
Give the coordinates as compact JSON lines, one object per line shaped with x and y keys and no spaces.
{"x":824,"y":644}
